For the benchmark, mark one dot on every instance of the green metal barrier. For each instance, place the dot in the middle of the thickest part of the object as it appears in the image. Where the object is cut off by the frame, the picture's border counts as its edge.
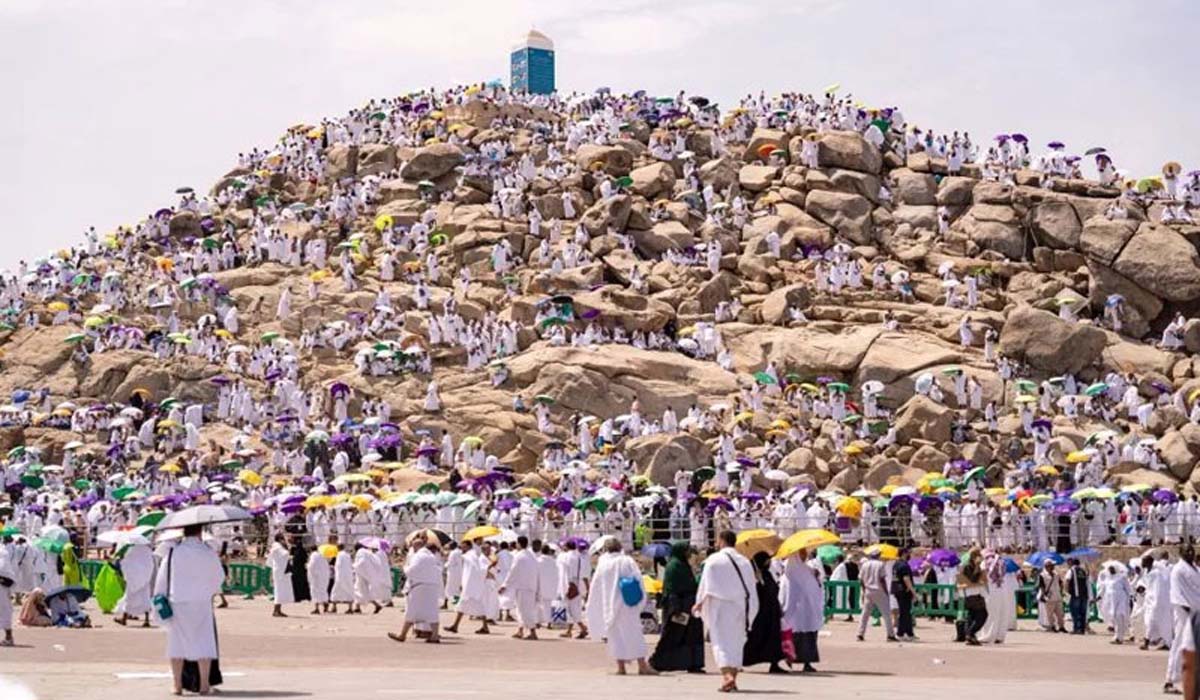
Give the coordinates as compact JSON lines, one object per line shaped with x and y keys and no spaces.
{"x":936,"y":600}
{"x":88,"y":570}
{"x":246,"y":579}
{"x":843,"y":598}
{"x":1027,"y":605}
{"x":398,"y":579}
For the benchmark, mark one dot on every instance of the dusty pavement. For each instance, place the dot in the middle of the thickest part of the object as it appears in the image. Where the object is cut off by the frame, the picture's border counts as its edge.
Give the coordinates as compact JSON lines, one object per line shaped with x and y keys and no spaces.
{"x":341,"y":656}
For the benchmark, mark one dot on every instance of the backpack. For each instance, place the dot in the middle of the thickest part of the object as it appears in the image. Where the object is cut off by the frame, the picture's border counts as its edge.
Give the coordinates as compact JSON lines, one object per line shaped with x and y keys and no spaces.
{"x":631,"y":590}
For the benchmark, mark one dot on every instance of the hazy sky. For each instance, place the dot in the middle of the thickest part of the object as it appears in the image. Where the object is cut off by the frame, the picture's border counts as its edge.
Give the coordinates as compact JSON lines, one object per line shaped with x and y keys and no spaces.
{"x":111,"y":104}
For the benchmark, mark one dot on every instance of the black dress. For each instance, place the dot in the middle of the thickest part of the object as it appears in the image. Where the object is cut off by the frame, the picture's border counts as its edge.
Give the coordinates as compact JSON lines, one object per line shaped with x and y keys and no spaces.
{"x":764,"y":644}
{"x":299,"y":571}
{"x":681,"y":645}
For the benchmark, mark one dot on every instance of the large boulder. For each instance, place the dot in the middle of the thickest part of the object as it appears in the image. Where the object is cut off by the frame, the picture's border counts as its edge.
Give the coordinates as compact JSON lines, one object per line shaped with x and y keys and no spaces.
{"x":1162,"y":262}
{"x":614,"y":160}
{"x":775,"y":306}
{"x":765,"y":137}
{"x":849,"y":214}
{"x":994,"y":227}
{"x":653,"y":180}
{"x":1103,"y":239}
{"x":610,"y":212}
{"x":757,"y":178}
{"x":1048,"y":343}
{"x":915,"y":188}
{"x":431,"y":162}
{"x":1056,"y":224}
{"x":924,"y":419}
{"x":849,"y":150}
{"x":664,"y":236}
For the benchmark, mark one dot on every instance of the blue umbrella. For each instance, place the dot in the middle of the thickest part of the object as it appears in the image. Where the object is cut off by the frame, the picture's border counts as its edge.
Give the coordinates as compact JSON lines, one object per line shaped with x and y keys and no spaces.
{"x":78,"y":592}
{"x":657,"y":550}
{"x":1037,"y":559}
{"x":1011,"y":566}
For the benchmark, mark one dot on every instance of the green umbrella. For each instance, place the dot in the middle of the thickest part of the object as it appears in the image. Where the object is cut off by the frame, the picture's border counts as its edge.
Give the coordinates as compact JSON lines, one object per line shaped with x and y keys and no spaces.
{"x":553,"y":321}
{"x":765,"y":378}
{"x":976,"y":473}
{"x":232,"y":464}
{"x":704,"y":474}
{"x":152,"y":518}
{"x":32,"y":481}
{"x":122,"y":492}
{"x":544,"y":398}
{"x":829,"y":553}
{"x":210,"y":243}
{"x":952,"y":371}
{"x":793,"y":377}
{"x":268,"y":336}
{"x":1096,"y":389}
{"x":82,"y":484}
{"x":883,"y":124}
{"x":9,"y":531}
{"x":839,"y":386}
{"x":425,"y":184}
{"x":1026,"y":386}
{"x":18,"y":451}
{"x":851,"y":419}
{"x":379,"y":116}
{"x":625,"y":181}
{"x":262,"y":200}
{"x":75,"y":338}
{"x":52,"y":546}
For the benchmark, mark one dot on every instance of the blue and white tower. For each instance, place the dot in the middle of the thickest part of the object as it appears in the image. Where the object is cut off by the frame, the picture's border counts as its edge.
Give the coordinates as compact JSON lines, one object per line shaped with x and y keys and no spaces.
{"x":532,"y":64}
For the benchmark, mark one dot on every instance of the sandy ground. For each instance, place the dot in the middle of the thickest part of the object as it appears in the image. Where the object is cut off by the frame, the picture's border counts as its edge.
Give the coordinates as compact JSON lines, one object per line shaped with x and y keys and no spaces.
{"x":344,"y":656}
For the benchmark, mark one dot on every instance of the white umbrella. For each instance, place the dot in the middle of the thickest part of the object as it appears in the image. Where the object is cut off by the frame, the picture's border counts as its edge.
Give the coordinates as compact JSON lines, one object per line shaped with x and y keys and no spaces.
{"x":775,"y":475}
{"x":1121,"y":568}
{"x":872,"y":387}
{"x":203,"y":515}
{"x":121,"y":538}
{"x":599,"y":545}
{"x":924,"y":383}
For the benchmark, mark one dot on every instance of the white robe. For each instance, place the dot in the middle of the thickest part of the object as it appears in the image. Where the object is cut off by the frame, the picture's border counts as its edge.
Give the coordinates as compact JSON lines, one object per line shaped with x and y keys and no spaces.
{"x":521,"y":585}
{"x":478,"y":597}
{"x":137,"y":568}
{"x":343,"y":578}
{"x":196,"y":576}
{"x":608,"y":614}
{"x":801,"y":596}
{"x":281,"y":580}
{"x":728,"y":603}
{"x":423,"y":574}
{"x":318,"y":572}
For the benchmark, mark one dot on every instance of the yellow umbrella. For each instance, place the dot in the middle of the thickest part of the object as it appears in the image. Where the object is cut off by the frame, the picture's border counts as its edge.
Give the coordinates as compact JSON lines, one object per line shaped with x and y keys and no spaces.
{"x":222,"y":333}
{"x":329,"y":551}
{"x":850,"y":508}
{"x":853,"y":450}
{"x":1193,"y":394}
{"x":652,"y":585}
{"x":317,"y":501}
{"x":751,"y":542}
{"x":805,"y":540}
{"x":529,"y":492}
{"x":376,"y":473}
{"x":361,"y":501}
{"x":170,"y":468}
{"x":480,"y":532}
{"x":886,"y":552}
{"x":1047,"y":470}
{"x":250,"y":477}
{"x":383,"y":221}
{"x":781,"y":424}
{"x":743,"y":416}
{"x":352,"y":478}
{"x":1025,"y":398}
{"x":777,"y":433}
{"x":57,"y":306}
{"x":887,"y":489}
{"x":1078,"y":457}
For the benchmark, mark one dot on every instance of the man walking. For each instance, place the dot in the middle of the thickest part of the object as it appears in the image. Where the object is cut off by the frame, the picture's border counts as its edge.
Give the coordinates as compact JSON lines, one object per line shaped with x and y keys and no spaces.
{"x":873,"y":577}
{"x":1079,"y":595}
{"x":905,"y":592}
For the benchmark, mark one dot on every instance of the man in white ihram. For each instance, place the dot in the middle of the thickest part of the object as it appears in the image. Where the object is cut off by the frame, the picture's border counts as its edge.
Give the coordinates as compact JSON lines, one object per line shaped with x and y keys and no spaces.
{"x":728,"y":601}
{"x":609,"y":616}
{"x":137,"y":567}
{"x":521,"y":585}
{"x":423,"y":574}
{"x":195,"y":575}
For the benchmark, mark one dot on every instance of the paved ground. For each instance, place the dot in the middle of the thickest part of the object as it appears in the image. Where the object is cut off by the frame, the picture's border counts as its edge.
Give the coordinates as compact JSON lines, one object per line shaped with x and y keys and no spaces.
{"x":336,"y":657}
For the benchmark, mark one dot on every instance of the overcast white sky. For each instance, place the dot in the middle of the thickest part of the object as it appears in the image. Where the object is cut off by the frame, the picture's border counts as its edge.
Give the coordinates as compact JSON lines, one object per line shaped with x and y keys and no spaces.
{"x":108,"y":105}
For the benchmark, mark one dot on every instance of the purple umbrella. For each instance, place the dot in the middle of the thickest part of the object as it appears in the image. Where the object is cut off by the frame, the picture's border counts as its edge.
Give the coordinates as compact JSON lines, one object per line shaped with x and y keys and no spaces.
{"x":1056,"y":145}
{"x":750,"y":496}
{"x":1042,"y":423}
{"x":506,"y":505}
{"x":1020,"y":138}
{"x":590,"y":314}
{"x":746,"y":461}
{"x":929,"y":503}
{"x":1002,"y":137}
{"x":338,"y":388}
{"x":1164,"y":496}
{"x":559,"y":503}
{"x":219,"y":379}
{"x":290,"y":508}
{"x":943,"y":557}
{"x":718,"y":504}
{"x":901,"y":502}
{"x":427,"y":451}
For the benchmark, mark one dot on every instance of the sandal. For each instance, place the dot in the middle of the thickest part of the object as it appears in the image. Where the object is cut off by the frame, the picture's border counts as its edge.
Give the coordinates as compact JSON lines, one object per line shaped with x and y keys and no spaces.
{"x":395,"y":637}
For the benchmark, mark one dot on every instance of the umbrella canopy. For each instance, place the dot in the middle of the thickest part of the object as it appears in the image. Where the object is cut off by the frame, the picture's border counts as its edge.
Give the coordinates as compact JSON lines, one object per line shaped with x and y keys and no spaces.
{"x":428,"y":534}
{"x":1038,"y":559}
{"x":887,"y":552}
{"x":751,"y":542}
{"x":79,"y":593}
{"x":203,"y":515}
{"x":480,"y":532}
{"x":805,"y":540}
{"x":829,"y":553}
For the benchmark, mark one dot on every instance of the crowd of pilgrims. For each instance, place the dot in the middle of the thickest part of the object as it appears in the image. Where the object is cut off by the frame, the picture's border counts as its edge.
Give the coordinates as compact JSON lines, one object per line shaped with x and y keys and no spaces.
{"x":314,"y":460}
